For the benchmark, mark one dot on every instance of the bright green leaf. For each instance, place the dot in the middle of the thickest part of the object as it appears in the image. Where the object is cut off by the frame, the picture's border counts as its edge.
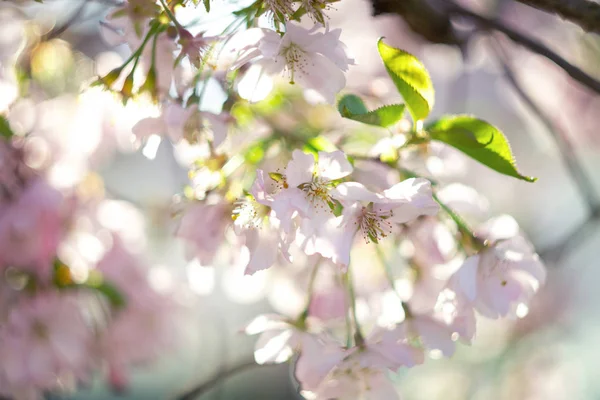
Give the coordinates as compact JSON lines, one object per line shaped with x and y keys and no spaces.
{"x":112,"y":294}
{"x":352,"y":107}
{"x":5,"y":130}
{"x":479,"y":140}
{"x":410,"y":77}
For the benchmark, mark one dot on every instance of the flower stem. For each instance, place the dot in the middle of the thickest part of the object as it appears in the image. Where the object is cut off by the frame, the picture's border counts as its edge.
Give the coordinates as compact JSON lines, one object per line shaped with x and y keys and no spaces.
{"x":311,"y":283}
{"x":358,"y":336}
{"x":476,"y":243}
{"x":170,"y":15}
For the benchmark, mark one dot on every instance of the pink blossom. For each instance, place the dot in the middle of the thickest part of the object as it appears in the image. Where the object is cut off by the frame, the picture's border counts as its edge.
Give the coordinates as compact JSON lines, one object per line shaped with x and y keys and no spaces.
{"x":316,"y":60}
{"x":146,"y":325}
{"x":178,"y":123}
{"x":202,"y":227}
{"x":31,"y":227}
{"x":44,"y":338}
{"x":262,"y":230}
{"x":327,"y":371}
{"x":194,"y":47}
{"x":279,"y":338}
{"x":371,"y":214}
{"x":505,"y":273}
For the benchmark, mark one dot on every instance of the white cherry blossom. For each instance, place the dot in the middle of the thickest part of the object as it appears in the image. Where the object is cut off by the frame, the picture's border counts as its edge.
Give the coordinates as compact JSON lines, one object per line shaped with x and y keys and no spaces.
{"x":316,"y":60}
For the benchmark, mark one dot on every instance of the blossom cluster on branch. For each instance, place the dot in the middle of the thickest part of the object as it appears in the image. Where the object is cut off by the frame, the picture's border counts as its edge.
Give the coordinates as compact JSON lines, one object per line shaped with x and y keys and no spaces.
{"x":272,"y":187}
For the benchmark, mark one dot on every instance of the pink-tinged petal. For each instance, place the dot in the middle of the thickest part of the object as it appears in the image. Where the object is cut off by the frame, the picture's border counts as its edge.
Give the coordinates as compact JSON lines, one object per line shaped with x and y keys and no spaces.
{"x":273,"y":347}
{"x":533,"y":267}
{"x":298,"y":35}
{"x":266,"y":322}
{"x":259,"y":189}
{"x":149,"y":126}
{"x":300,"y":168}
{"x":175,"y":118}
{"x":327,"y":238}
{"x":502,"y":294}
{"x":467,"y":277}
{"x":330,"y":46}
{"x":315,"y":362}
{"x":411,"y":198}
{"x":263,"y":247}
{"x":217,"y":126}
{"x":354,"y":191}
{"x":321,"y":75}
{"x":379,"y":387}
{"x":287,"y":204}
{"x":434,"y":334}
{"x":334,"y":165}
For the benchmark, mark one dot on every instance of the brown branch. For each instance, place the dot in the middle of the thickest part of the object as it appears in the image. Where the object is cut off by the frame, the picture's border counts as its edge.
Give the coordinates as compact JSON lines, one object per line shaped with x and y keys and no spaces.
{"x":445,"y":9}
{"x":576,"y":170}
{"x":527,"y":42}
{"x":218,"y":379}
{"x":584,"y":13}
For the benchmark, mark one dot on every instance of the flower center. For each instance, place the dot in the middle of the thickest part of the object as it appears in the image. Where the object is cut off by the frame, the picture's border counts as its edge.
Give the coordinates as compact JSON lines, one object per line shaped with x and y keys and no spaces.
{"x":295,"y":59}
{"x":248,"y":213}
{"x":283,"y":7}
{"x":317,"y":194}
{"x":374,"y":224}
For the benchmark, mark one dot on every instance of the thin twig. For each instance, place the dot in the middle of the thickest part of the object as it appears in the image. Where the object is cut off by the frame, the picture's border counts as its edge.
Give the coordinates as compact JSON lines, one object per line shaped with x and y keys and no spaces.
{"x":567,"y":151}
{"x":527,"y":42}
{"x":198,"y":391}
{"x":584,"y":13}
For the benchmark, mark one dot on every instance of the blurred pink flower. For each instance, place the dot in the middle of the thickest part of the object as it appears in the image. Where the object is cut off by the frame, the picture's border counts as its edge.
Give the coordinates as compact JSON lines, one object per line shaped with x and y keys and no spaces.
{"x":31,"y":227}
{"x":44,"y":338}
{"x":505,"y":273}
{"x":202,"y":228}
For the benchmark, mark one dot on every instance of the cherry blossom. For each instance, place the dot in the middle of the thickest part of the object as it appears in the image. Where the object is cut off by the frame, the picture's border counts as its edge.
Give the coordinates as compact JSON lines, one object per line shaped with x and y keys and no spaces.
{"x":254,"y":219}
{"x":371,"y":214}
{"x":44,"y":339}
{"x":326,"y":371}
{"x":505,"y":273}
{"x":315,"y":60}
{"x":279,"y":338}
{"x":202,"y":227}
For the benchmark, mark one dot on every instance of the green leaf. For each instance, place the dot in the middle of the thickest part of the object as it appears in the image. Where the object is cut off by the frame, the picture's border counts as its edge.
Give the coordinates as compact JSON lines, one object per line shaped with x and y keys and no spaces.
{"x":352,"y":107}
{"x":207,"y":5}
{"x":479,"y":140}
{"x":410,"y":77}
{"x":112,"y":294}
{"x":5,"y":130}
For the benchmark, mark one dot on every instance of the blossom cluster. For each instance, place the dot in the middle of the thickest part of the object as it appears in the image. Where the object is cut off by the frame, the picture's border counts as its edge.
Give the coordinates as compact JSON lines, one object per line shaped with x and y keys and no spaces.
{"x":380,"y":243}
{"x":74,"y":300}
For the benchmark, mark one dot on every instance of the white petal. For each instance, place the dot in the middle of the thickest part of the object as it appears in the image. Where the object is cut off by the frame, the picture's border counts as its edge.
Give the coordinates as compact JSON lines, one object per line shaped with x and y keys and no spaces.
{"x":354,"y":191}
{"x":300,"y":169}
{"x":263,"y":252}
{"x":334,"y":165}
{"x":322,"y":75}
{"x":148,"y":127}
{"x":273,"y":347}
{"x":467,"y":277}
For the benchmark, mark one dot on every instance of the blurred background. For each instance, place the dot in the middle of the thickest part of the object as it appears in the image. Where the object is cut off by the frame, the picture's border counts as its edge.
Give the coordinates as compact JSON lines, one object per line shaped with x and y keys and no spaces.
{"x":551,"y":121}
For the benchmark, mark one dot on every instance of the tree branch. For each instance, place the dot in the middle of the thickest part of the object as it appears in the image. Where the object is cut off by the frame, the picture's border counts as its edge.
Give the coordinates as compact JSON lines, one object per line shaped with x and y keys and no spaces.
{"x":527,"y":42}
{"x":569,"y":156}
{"x":218,"y":379}
{"x":584,"y":13}
{"x":432,"y":20}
